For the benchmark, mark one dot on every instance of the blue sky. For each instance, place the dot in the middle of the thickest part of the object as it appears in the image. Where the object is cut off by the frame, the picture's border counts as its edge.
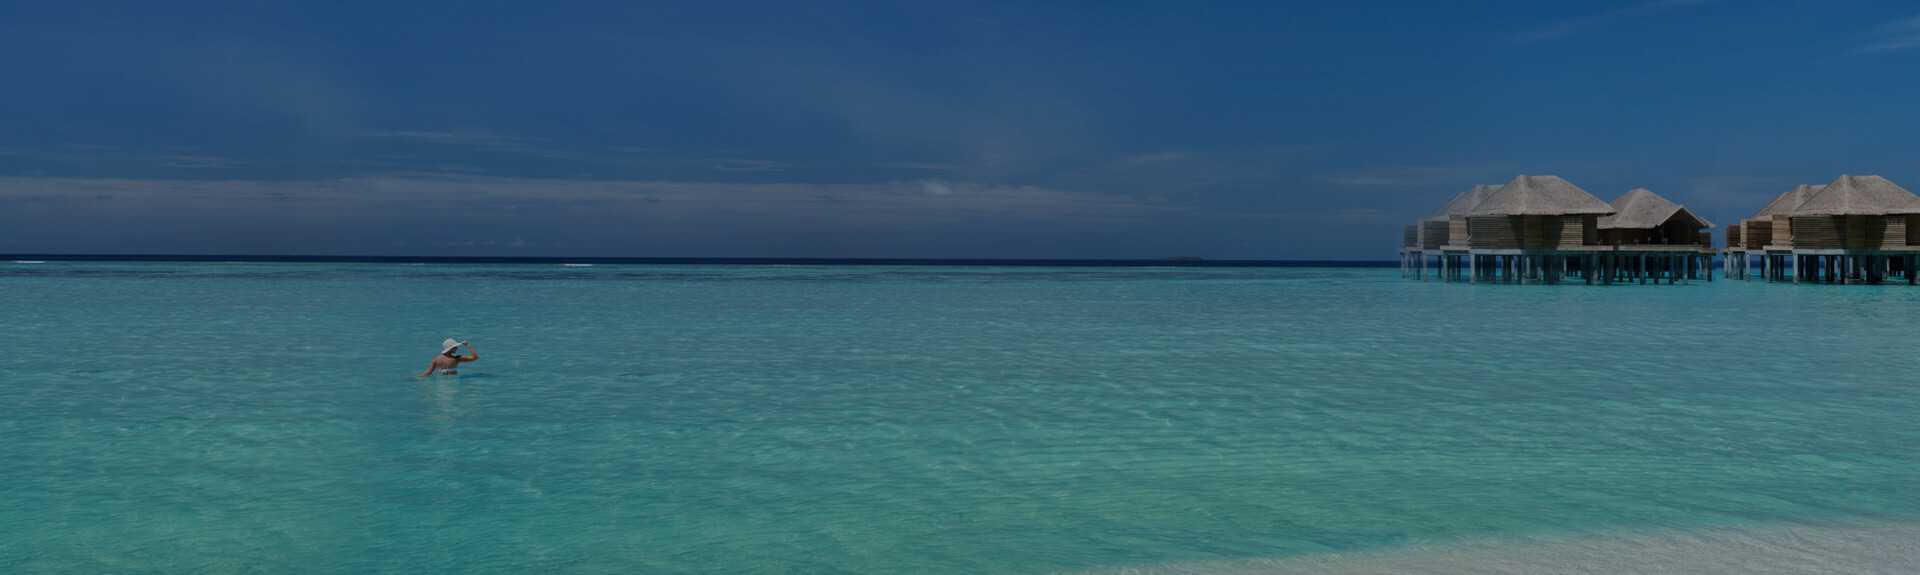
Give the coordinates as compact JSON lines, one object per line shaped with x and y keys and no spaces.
{"x":1095,"y":130}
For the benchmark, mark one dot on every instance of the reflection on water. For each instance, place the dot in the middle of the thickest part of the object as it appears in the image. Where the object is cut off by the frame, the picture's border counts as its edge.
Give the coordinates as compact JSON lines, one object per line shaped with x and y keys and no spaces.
{"x":441,"y":392}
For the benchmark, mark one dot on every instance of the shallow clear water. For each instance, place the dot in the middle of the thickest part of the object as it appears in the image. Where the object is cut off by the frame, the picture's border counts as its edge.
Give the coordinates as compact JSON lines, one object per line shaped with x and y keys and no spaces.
{"x":264,"y":417}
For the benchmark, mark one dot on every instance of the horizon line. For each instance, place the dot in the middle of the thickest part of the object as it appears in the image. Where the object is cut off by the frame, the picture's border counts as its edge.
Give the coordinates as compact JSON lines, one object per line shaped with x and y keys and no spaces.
{"x":695,"y":260}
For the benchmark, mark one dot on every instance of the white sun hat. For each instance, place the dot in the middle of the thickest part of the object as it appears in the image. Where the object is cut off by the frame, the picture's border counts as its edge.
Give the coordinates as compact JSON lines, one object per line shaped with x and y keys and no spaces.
{"x":448,"y":345}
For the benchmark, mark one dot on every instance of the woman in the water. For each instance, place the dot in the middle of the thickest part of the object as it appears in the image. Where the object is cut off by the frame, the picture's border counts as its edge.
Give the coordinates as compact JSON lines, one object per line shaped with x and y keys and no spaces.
{"x":450,"y":358}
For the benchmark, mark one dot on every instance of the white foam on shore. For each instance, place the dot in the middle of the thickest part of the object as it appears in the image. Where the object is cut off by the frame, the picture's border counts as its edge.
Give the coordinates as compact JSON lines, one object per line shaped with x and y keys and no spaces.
{"x":29,"y":261}
{"x":1797,"y":549}
{"x":577,"y":265}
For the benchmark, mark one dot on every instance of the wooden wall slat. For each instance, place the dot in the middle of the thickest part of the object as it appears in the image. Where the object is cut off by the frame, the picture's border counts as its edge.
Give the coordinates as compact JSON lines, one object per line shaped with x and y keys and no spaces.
{"x":1433,"y":234}
{"x":1759,"y":233}
{"x":1895,"y":228}
{"x":1817,"y":233}
{"x":1493,"y":232}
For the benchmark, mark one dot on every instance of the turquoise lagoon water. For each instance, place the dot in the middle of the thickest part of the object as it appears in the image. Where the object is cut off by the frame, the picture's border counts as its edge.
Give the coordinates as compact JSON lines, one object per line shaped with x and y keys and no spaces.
{"x":226,"y":418}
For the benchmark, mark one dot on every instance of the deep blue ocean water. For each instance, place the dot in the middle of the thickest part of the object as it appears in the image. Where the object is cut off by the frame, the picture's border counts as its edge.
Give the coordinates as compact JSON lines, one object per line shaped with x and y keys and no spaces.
{"x":264,"y":417}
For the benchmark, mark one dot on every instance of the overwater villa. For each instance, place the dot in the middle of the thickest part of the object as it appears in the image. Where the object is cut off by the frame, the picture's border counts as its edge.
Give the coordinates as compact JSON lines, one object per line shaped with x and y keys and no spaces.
{"x":1766,"y":236}
{"x":1546,"y":229}
{"x":1655,"y":238}
{"x":1441,"y":236}
{"x":1854,"y":230}
{"x":1534,"y":228}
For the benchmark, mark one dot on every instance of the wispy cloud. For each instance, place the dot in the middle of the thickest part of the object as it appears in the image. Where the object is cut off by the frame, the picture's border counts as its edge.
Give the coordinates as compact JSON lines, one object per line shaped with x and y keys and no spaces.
{"x":581,"y":157}
{"x":746,"y":165}
{"x":1187,"y":172}
{"x":438,"y":212}
{"x":197,"y":161}
{"x":1894,"y":36}
{"x":466,"y":138}
{"x":887,"y":202}
{"x":1568,"y":27}
{"x":924,"y":166}
{"x":481,"y":140}
{"x":95,"y":156}
{"x":1404,"y":177}
{"x":1156,"y":158}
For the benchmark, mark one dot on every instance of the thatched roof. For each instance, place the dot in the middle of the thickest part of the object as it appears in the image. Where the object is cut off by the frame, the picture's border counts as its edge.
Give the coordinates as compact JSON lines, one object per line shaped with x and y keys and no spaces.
{"x":1463,"y":204}
{"x":1644,"y":210}
{"x":1540,"y":196}
{"x":1785,"y":203}
{"x":1857,"y":196}
{"x":1912,"y":207}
